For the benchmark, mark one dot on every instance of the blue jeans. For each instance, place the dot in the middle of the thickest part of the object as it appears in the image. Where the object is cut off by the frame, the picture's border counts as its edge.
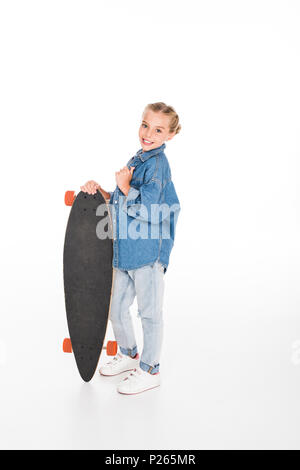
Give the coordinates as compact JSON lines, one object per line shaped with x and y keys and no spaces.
{"x":147,"y":284}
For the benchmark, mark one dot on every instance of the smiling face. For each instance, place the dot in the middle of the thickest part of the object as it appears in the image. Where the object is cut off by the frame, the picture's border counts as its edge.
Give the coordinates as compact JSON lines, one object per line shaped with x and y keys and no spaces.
{"x":154,"y":130}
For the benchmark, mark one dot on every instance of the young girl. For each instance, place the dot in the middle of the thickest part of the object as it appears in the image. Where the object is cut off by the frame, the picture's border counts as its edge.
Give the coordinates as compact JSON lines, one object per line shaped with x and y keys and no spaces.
{"x":144,"y":199}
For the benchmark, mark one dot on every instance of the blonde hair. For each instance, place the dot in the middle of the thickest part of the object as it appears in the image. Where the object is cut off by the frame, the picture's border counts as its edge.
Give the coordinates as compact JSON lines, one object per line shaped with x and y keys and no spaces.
{"x":174,"y":125}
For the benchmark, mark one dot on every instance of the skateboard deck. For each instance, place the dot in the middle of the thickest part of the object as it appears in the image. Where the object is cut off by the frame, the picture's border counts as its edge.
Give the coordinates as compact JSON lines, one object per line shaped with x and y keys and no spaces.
{"x":88,"y":279}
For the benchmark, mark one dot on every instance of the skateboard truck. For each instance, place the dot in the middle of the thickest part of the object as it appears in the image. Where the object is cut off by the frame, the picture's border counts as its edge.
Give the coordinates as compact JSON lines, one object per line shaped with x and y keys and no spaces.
{"x":111,"y":347}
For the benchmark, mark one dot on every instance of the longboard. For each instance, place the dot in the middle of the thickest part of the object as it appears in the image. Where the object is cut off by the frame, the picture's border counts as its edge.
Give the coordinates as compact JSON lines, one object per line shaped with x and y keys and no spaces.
{"x":88,"y":282}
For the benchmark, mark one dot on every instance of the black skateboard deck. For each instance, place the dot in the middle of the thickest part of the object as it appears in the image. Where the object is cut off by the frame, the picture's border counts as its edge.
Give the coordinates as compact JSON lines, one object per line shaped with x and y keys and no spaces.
{"x":88,"y":279}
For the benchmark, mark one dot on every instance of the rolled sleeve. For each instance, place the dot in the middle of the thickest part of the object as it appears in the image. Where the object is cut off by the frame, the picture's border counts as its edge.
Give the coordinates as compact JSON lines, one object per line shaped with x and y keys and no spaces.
{"x":132,"y":195}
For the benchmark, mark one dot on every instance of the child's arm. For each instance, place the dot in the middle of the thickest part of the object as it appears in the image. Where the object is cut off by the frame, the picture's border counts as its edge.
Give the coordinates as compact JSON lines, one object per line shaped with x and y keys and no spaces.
{"x":148,"y":194}
{"x":144,"y":203}
{"x":123,"y":178}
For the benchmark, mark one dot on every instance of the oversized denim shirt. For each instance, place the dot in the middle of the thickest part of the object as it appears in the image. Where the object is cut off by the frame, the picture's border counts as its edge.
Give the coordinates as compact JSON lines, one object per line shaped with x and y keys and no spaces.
{"x":142,"y":232}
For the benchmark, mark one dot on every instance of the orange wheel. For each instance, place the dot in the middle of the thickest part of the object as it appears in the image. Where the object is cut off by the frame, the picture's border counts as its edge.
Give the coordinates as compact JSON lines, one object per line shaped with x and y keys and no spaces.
{"x":111,"y":348}
{"x":69,"y":198}
{"x":67,"y":345}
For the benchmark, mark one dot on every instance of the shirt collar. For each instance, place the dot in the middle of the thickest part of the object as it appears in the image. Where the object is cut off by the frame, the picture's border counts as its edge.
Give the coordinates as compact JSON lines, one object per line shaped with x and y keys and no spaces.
{"x":150,"y":153}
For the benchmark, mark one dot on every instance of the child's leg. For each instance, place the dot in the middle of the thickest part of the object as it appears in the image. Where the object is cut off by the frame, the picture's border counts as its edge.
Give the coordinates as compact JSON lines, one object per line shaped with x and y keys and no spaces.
{"x":122,"y":298}
{"x":149,"y":286}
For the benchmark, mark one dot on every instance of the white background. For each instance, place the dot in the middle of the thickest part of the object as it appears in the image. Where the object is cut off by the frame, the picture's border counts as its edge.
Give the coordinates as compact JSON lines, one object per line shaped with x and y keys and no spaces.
{"x":75,"y":78}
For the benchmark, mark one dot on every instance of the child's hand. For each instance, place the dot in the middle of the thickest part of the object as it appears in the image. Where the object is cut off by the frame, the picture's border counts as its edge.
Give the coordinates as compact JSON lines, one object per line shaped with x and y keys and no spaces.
{"x":90,"y":187}
{"x":123,"y":177}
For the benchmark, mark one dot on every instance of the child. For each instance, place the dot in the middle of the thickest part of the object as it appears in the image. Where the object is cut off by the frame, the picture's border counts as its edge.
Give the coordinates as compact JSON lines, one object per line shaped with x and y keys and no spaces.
{"x":141,"y":257}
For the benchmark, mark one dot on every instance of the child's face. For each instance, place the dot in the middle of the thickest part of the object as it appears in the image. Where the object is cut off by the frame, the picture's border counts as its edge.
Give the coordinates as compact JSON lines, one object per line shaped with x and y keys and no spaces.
{"x":154,"y":128}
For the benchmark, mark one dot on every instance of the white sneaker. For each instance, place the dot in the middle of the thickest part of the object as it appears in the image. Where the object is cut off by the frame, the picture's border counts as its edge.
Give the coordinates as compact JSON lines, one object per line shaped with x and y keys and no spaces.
{"x":138,"y":381}
{"x":120,"y":363}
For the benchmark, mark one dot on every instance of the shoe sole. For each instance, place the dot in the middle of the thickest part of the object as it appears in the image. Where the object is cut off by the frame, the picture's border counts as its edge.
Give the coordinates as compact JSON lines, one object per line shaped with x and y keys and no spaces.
{"x":118,"y":373}
{"x":137,"y":393}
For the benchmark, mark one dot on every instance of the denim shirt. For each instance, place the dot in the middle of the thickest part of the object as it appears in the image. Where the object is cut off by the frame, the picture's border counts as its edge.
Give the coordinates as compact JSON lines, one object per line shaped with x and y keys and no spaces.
{"x":144,"y":222}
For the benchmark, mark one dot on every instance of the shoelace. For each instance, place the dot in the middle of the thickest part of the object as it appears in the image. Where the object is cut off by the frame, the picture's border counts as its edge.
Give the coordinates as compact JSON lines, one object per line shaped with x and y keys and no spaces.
{"x":133,"y":375}
{"x":116,"y":359}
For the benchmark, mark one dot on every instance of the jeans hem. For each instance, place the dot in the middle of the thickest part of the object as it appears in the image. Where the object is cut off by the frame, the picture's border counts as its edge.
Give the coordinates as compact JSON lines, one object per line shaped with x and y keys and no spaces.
{"x":150,"y":369}
{"x":129,"y":352}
